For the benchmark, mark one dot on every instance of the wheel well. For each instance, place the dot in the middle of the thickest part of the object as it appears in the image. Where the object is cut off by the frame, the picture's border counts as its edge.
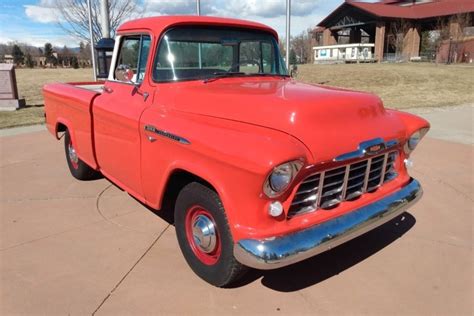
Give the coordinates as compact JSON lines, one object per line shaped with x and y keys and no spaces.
{"x":176,"y":182}
{"x":60,"y":127}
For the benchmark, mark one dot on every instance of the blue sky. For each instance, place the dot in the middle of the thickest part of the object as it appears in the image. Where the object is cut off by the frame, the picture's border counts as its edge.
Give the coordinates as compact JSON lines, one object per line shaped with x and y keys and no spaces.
{"x":35,"y":21}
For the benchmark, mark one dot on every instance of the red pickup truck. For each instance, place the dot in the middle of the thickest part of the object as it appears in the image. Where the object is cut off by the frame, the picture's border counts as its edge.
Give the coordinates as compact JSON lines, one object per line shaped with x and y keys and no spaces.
{"x":262,"y":171}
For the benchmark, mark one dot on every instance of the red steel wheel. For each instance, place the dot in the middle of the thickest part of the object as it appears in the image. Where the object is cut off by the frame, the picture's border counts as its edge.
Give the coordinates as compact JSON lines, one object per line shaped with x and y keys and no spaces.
{"x":203,"y":235}
{"x":71,"y":151}
{"x":78,"y":168}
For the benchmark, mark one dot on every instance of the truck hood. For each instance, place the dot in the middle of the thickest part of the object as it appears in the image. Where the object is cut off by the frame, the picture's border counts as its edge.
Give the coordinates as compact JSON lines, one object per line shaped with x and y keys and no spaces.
{"x":327,"y":120}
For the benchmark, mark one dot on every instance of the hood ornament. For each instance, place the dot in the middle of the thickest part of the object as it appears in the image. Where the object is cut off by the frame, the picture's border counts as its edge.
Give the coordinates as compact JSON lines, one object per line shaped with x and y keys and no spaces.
{"x":367,"y":148}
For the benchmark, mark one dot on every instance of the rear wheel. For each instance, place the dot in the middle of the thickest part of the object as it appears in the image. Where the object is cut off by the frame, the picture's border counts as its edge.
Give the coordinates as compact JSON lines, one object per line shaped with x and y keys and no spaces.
{"x":204,"y":236}
{"x":78,"y":168}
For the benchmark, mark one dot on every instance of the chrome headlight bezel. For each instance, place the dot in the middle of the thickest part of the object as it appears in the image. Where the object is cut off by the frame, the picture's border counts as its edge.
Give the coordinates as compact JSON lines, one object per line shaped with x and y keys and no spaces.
{"x":414,"y":139}
{"x":280,"y":178}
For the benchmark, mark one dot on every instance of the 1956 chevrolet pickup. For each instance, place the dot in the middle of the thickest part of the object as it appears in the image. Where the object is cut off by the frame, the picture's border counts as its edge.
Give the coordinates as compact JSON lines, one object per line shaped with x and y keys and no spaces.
{"x":199,"y":114}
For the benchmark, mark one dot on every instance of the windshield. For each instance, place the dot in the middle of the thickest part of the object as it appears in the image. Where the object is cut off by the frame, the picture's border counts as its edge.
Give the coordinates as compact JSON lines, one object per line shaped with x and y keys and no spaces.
{"x":191,"y":53}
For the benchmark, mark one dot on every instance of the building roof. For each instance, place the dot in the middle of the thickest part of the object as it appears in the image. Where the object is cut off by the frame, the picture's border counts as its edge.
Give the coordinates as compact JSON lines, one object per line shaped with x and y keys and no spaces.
{"x":390,"y":9}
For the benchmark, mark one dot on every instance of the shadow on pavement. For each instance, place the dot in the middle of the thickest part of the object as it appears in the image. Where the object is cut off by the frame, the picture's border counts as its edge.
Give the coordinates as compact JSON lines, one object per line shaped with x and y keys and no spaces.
{"x":323,"y":266}
{"x":328,"y":264}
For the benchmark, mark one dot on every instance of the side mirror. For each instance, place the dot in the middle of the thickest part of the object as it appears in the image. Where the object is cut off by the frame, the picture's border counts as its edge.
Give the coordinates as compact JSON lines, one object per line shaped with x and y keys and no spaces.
{"x":124,"y":73}
{"x":294,"y":71}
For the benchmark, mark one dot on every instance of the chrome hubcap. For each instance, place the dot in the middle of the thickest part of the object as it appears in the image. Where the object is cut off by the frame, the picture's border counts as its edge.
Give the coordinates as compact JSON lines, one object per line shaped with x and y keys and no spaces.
{"x":72,"y":154}
{"x":204,"y":233}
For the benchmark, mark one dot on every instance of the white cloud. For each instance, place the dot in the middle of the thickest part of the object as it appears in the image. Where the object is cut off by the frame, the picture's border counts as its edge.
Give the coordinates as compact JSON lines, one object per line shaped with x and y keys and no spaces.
{"x":267,"y":8}
{"x":44,"y":12}
{"x":174,"y":7}
{"x":38,"y":38}
{"x":305,"y":13}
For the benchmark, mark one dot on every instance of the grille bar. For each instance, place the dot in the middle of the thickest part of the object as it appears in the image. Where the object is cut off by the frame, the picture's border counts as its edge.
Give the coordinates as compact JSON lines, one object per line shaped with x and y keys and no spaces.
{"x":329,"y":188}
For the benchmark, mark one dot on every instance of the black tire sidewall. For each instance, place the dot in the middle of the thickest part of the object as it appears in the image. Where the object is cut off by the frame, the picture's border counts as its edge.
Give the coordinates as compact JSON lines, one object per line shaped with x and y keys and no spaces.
{"x":83,"y":171}
{"x":220,"y":273}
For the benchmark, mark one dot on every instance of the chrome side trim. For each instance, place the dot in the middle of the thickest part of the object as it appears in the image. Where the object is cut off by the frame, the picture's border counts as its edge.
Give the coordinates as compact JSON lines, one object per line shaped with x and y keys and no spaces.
{"x":367,"y":148}
{"x":151,"y":128}
{"x":280,"y":251}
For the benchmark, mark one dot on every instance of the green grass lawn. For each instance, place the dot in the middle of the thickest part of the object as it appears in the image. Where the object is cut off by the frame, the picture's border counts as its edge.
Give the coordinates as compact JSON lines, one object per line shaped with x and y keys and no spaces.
{"x":30,"y":82}
{"x":400,"y":86}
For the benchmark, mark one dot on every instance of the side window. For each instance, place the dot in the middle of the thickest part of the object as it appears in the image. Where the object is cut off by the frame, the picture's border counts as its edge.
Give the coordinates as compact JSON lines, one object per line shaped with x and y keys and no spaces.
{"x":145,"y":49}
{"x":133,"y":55}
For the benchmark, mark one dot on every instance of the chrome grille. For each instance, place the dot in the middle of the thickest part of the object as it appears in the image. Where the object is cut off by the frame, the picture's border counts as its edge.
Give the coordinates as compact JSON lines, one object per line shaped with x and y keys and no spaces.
{"x":328,"y":188}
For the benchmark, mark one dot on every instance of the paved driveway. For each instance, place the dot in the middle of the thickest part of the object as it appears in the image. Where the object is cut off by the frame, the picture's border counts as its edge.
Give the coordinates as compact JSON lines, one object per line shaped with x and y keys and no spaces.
{"x":70,"y":247}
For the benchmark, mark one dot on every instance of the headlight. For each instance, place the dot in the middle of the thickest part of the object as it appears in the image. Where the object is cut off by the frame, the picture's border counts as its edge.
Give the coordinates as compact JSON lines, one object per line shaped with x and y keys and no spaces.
{"x":414,"y":139}
{"x":280,"y":178}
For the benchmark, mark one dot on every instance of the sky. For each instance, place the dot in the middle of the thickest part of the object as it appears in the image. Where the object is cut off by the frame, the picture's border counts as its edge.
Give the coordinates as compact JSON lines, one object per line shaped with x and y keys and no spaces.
{"x":36,"y":22}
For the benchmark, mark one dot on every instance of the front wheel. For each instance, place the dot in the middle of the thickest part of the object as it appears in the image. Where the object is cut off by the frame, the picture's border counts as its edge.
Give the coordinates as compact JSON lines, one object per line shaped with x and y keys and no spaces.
{"x":78,"y":168}
{"x":204,"y":236}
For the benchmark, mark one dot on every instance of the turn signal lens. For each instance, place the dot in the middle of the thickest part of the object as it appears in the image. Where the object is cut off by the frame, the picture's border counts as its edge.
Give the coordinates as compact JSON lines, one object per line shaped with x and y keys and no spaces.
{"x":275,"y":209}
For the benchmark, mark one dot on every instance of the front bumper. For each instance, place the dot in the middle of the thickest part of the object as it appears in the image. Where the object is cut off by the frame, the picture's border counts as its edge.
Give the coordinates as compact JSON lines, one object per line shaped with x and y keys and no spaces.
{"x":276,"y":252}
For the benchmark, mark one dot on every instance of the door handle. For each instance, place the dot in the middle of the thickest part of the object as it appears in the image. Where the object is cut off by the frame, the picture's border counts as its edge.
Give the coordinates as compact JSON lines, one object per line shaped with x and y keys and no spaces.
{"x":108,"y":90}
{"x":151,"y":139}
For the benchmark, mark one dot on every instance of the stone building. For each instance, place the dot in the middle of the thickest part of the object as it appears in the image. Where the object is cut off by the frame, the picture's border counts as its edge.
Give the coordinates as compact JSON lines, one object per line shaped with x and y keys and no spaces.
{"x":395,"y":27}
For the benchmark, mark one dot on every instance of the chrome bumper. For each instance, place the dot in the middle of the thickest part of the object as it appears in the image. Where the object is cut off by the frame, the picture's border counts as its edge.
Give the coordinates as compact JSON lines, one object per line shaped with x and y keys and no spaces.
{"x":276,"y":252}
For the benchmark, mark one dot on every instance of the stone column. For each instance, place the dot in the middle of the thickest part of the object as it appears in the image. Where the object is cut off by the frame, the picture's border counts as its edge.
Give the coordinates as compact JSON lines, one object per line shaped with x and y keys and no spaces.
{"x":329,"y":38}
{"x":379,"y":41}
{"x":455,"y":30}
{"x":411,"y":45}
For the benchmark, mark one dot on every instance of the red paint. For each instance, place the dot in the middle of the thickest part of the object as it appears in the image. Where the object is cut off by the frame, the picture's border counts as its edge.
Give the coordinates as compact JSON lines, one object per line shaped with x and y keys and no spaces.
{"x":206,"y":258}
{"x":239,"y":129}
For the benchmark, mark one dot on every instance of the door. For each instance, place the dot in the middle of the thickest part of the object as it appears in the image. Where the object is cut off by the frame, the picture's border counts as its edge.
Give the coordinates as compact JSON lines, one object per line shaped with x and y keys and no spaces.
{"x":116,"y":115}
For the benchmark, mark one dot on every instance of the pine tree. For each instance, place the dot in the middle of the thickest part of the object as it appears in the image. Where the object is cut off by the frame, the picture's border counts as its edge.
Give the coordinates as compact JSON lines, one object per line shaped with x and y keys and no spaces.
{"x":29,"y":61}
{"x":292,"y":57}
{"x":48,"y":53}
{"x":18,"y":55}
{"x":75,"y":62}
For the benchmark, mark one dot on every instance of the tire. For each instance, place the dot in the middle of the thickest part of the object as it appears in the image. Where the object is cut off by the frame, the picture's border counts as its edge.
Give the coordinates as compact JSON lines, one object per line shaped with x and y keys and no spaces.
{"x":211,"y":258}
{"x":78,"y":168}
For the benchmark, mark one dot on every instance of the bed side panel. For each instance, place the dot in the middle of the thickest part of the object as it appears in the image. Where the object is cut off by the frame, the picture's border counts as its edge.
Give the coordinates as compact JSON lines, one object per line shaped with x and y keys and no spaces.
{"x":72,"y":106}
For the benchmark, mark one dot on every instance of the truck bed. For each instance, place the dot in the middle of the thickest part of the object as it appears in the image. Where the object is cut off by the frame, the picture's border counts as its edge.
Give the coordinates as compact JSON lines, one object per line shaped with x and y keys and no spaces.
{"x":69,"y":105}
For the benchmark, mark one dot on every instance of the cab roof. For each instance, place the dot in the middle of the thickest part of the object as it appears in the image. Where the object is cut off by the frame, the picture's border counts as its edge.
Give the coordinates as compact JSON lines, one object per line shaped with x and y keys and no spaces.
{"x":160,"y":23}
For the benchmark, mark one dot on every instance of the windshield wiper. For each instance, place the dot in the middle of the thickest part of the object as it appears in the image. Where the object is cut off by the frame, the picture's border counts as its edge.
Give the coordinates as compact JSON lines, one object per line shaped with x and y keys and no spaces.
{"x":262,"y":74}
{"x":219,"y":75}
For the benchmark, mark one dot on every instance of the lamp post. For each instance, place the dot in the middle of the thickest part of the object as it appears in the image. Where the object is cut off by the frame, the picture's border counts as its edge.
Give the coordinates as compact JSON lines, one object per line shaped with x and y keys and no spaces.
{"x":105,"y":46}
{"x":91,"y":38}
{"x":198,"y":11}
{"x":288,"y":14}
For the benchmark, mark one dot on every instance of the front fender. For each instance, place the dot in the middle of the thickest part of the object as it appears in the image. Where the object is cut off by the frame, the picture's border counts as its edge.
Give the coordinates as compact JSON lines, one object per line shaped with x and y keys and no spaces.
{"x":234,"y":157}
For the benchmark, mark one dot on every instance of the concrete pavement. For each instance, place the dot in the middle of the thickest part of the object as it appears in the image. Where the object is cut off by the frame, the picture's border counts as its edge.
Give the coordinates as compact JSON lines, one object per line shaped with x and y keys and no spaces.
{"x":70,"y":247}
